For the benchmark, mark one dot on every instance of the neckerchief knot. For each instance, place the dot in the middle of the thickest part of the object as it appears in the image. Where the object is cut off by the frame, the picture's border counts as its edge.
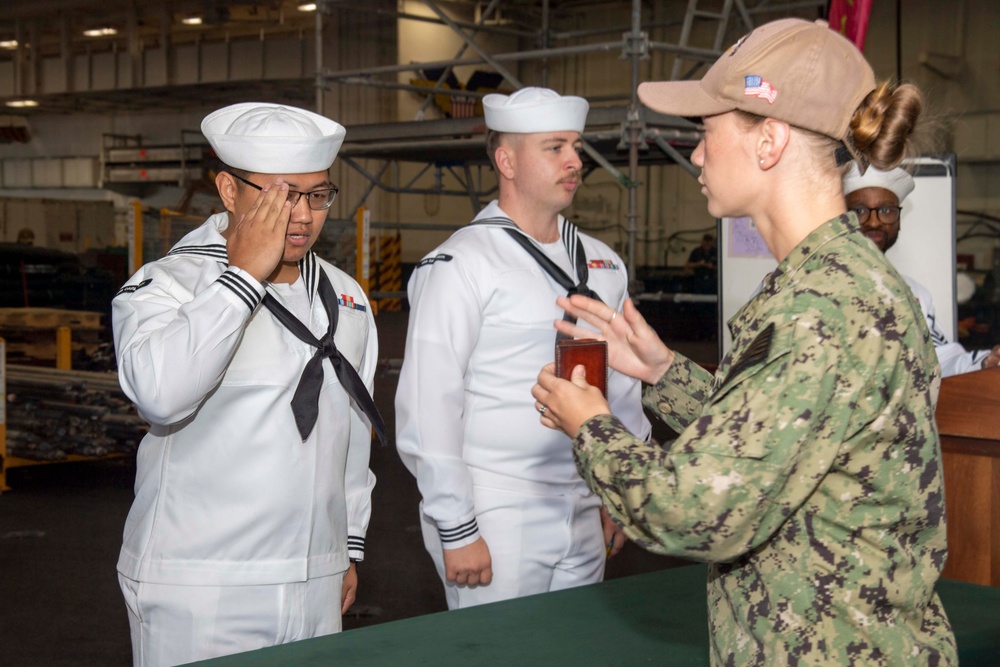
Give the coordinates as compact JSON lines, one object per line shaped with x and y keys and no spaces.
{"x":305,"y":401}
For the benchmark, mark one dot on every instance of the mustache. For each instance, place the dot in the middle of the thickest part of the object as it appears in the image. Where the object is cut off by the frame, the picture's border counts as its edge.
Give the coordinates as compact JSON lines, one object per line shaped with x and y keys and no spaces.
{"x":574,"y":177}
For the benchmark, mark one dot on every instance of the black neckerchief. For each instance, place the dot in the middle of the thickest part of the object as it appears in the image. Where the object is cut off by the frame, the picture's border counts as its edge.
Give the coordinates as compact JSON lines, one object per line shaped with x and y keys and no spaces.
{"x":576,"y":254}
{"x":305,"y":401}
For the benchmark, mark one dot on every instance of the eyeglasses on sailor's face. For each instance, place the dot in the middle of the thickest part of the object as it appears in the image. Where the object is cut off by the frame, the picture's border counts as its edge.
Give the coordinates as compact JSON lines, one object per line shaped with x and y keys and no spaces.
{"x":318,"y":200}
{"x":886,"y":214}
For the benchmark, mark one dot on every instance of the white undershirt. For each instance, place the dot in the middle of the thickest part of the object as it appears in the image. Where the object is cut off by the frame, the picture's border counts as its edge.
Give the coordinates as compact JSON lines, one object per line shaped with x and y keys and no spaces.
{"x":293,"y":296}
{"x":556,"y":251}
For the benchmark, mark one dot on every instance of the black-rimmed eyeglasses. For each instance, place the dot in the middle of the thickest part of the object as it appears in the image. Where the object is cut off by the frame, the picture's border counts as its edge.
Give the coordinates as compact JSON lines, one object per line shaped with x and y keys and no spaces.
{"x":886,"y":214}
{"x":318,"y":200}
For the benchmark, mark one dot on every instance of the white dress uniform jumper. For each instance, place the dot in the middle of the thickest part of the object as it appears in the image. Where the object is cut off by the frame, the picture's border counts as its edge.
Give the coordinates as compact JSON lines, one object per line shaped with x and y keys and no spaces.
{"x":480,"y":330}
{"x":230,"y":491}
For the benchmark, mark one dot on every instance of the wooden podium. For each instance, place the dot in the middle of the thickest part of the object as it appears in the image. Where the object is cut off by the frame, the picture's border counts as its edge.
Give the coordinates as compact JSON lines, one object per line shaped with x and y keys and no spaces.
{"x":968,"y":419}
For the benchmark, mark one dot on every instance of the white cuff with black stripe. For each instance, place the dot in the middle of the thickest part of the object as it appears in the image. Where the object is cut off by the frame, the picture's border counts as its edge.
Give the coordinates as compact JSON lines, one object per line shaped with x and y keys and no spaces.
{"x":459,"y":536}
{"x":249,"y":291}
{"x":355,"y":548}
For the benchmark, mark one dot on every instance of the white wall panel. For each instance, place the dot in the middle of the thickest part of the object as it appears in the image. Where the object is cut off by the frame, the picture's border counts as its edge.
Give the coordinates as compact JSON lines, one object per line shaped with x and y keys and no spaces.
{"x":17,"y":173}
{"x":79,"y":172}
{"x":245,"y":62}
{"x":82,"y":78}
{"x":283,"y":59}
{"x":154,"y":73}
{"x":221,"y":61}
{"x":187,"y":68}
{"x":53,"y":75}
{"x":104,"y":71}
{"x":46,"y":173}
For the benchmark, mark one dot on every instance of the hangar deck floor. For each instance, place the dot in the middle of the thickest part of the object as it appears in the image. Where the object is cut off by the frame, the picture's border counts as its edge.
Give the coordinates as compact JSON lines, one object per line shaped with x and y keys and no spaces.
{"x":60,"y":531}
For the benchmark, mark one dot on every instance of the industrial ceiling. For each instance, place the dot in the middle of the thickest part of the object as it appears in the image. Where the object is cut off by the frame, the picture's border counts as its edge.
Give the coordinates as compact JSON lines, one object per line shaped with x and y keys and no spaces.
{"x":34,"y":30}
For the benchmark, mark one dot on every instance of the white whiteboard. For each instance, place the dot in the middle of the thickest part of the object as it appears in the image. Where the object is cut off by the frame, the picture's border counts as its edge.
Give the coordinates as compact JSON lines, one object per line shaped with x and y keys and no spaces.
{"x":925,"y":250}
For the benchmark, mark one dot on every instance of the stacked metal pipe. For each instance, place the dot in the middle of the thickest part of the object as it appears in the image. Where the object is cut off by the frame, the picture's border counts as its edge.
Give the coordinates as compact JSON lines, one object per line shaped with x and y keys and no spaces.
{"x":53,"y":414}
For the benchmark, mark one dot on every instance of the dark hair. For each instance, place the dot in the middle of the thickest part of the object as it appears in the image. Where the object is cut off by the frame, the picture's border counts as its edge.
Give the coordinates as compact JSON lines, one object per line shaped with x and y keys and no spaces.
{"x":883,"y":124}
{"x":241,"y":173}
{"x":493,"y":139}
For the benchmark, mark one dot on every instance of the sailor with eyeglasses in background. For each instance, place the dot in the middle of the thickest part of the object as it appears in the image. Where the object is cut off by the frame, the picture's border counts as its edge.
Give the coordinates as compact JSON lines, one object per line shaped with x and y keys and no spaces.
{"x":877,"y":197}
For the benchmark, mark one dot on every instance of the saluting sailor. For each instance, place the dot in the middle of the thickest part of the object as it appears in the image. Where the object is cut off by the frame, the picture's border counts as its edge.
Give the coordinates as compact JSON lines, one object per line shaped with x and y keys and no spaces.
{"x":504,"y":512}
{"x":252,"y":359}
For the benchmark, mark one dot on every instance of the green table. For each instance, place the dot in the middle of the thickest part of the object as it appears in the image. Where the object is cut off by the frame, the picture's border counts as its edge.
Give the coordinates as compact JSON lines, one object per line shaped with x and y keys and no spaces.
{"x":658,"y":618}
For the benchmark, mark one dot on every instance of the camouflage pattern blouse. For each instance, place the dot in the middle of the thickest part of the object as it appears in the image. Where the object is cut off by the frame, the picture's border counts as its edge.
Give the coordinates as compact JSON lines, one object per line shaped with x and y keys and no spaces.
{"x":807,"y":471}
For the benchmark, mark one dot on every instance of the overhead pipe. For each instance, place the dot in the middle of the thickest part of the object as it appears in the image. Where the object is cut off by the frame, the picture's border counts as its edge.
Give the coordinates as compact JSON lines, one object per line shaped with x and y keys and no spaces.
{"x":373,"y":180}
{"x":318,"y":39}
{"x":134,"y":47}
{"x":507,"y":74}
{"x":66,"y":52}
{"x":581,"y":49}
{"x":673,"y":153}
{"x":444,"y":72}
{"x":783,"y":8}
{"x":544,"y":43}
{"x":364,"y":7}
{"x":34,"y":58}
{"x":633,"y":39}
{"x":376,"y":182}
{"x":395,"y":85}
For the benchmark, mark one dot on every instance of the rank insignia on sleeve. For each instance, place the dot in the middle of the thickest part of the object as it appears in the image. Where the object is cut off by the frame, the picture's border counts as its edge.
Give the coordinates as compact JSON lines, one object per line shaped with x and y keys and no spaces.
{"x":755,"y":353}
{"x":348,"y":301}
{"x":128,"y":289}
{"x":427,"y":261}
{"x":602,"y":264}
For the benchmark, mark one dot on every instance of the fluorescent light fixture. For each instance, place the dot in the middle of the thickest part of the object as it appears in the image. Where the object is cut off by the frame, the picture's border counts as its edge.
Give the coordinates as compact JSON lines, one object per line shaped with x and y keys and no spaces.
{"x":100,"y":32}
{"x":8,"y":44}
{"x":20,"y":104}
{"x":307,"y":7}
{"x":191,"y":20}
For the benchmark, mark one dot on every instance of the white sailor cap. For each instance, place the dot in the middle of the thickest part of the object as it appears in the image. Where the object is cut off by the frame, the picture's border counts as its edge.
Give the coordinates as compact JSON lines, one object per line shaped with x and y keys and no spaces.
{"x":535,"y":110}
{"x":897,"y":181}
{"x":273,"y":139}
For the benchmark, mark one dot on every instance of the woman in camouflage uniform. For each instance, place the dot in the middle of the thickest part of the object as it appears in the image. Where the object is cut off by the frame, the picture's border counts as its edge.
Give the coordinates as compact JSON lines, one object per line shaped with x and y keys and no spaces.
{"x":807,"y":470}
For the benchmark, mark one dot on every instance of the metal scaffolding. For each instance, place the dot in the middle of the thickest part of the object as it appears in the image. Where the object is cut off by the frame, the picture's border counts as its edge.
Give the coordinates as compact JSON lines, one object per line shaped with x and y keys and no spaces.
{"x":621,"y":135}
{"x":610,"y":130}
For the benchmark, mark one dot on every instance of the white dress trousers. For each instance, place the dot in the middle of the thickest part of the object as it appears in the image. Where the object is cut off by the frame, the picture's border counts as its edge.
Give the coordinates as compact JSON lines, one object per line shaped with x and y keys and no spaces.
{"x":175,"y":625}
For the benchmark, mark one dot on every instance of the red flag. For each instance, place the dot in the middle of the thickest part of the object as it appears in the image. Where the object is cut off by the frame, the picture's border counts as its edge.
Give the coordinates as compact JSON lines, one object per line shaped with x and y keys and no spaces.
{"x":850,"y":19}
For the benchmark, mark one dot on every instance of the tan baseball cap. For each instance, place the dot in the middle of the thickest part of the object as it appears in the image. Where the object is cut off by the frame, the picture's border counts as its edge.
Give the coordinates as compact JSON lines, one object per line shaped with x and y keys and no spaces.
{"x":793,"y":70}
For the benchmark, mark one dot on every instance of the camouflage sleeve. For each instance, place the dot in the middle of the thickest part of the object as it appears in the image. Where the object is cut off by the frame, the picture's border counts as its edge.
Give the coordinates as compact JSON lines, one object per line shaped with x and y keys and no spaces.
{"x":760,"y":447}
{"x":679,"y":395}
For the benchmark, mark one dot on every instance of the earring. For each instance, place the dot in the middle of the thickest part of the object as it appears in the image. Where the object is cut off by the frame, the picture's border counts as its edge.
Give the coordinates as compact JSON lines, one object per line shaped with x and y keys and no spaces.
{"x":762,"y":160}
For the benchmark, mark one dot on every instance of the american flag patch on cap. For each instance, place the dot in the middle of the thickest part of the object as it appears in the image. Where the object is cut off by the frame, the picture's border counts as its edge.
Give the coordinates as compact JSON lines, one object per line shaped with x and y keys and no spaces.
{"x":755,"y":86}
{"x":348,"y":302}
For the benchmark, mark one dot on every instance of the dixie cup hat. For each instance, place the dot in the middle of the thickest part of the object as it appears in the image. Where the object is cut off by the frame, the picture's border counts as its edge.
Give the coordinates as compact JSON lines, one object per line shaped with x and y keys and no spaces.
{"x":272,"y":138}
{"x":897,"y":181}
{"x":799,"y":72}
{"x":535,"y":110}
